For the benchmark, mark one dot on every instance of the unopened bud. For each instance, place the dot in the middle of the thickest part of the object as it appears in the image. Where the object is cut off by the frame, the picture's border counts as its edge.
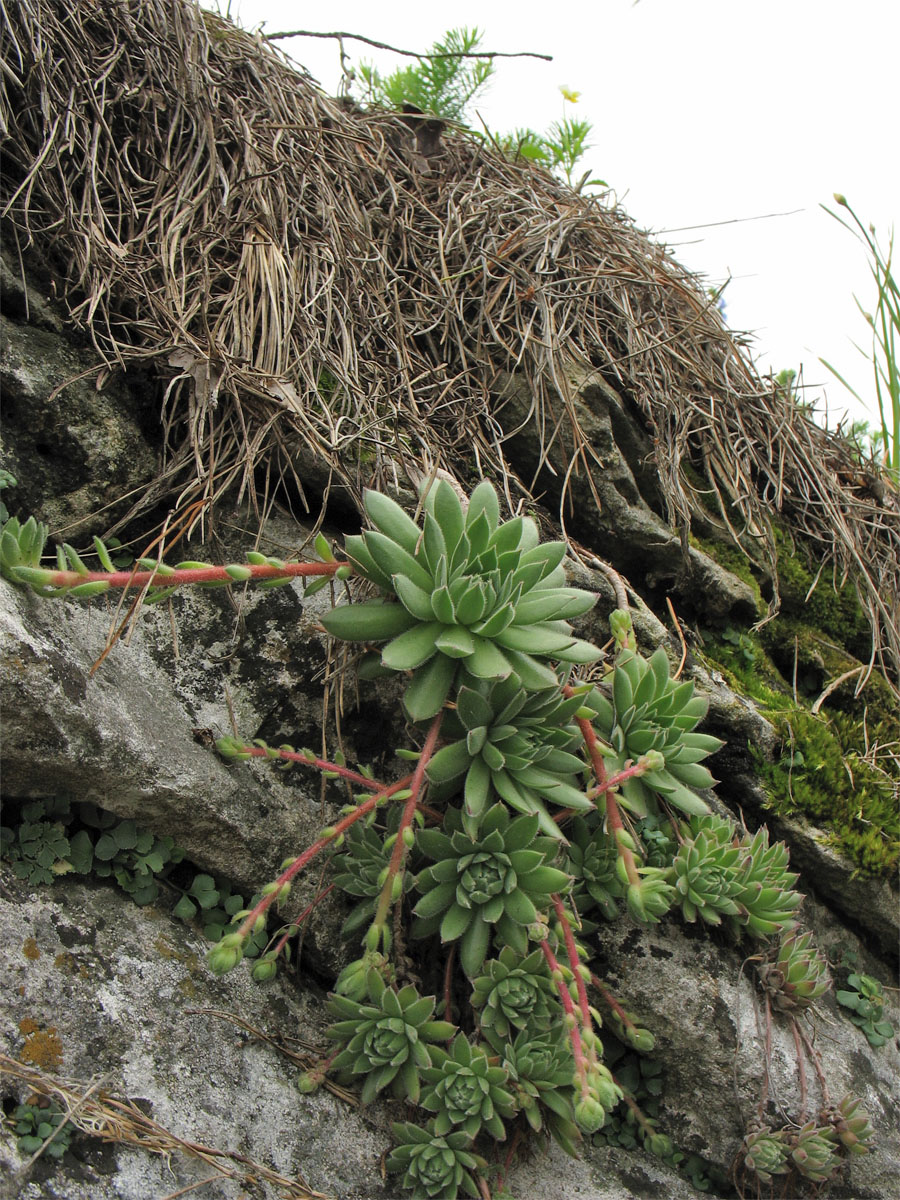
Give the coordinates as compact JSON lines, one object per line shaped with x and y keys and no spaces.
{"x":641,"y":1039}
{"x":660,"y":1145}
{"x":590,"y":1115}
{"x":265,"y":969}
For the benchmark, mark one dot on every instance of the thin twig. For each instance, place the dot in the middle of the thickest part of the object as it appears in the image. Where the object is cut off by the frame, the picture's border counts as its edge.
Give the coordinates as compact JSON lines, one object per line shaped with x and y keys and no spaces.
{"x":357,"y":37}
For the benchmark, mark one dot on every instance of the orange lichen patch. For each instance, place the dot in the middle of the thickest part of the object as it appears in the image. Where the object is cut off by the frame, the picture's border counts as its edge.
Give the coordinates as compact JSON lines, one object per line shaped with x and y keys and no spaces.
{"x":30,"y":949}
{"x":42,"y":1046}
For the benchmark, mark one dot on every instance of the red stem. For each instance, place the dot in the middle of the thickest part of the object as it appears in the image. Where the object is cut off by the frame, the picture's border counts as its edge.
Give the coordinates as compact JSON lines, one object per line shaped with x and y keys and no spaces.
{"x":613,"y":1003}
{"x":629,"y":773}
{"x":400,"y":848}
{"x":613,"y":816}
{"x":321,"y":764}
{"x":448,"y":972}
{"x":569,"y":1009}
{"x":574,"y":960}
{"x":298,"y":921}
{"x":177,"y":577}
{"x":299,"y":863}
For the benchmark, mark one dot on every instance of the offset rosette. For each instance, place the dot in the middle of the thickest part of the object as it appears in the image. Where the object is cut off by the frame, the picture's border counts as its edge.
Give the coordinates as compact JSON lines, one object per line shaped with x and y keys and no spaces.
{"x":851,"y":1125}
{"x":499,"y":882}
{"x":541,"y":1069}
{"x":515,"y":744}
{"x":591,"y":860}
{"x":385,"y":1037}
{"x":433,"y":1166}
{"x":704,"y":870}
{"x":475,"y":595}
{"x":764,"y":890}
{"x":465,"y":1090}
{"x":795,"y":974}
{"x":814,"y":1152}
{"x":515,"y":990}
{"x":766,"y":1154}
{"x":647,"y":710}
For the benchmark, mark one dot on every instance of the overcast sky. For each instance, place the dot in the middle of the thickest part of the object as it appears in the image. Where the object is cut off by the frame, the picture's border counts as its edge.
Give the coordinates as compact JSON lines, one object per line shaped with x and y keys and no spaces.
{"x":706,"y":113}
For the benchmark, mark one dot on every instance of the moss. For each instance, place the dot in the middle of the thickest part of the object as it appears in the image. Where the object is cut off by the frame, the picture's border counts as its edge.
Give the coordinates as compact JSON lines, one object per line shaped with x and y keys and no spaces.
{"x":822,"y":773}
{"x":821,"y":776}
{"x":829,"y":609}
{"x":732,"y":559}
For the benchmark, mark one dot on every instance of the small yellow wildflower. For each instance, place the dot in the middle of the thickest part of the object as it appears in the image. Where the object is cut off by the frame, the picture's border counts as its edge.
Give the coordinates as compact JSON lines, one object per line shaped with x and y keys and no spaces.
{"x":568,"y":94}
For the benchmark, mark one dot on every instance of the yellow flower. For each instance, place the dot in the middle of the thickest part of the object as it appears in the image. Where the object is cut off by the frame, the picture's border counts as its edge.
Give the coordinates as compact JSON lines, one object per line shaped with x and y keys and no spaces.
{"x":568,"y":94}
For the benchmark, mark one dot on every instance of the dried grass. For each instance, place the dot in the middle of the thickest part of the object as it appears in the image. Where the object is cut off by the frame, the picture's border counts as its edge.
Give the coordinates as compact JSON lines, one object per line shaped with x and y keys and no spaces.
{"x":315,"y":290}
{"x":96,"y":1112}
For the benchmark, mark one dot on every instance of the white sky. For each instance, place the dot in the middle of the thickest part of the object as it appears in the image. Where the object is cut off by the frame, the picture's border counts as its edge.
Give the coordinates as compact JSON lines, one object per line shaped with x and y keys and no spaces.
{"x":704,"y":111}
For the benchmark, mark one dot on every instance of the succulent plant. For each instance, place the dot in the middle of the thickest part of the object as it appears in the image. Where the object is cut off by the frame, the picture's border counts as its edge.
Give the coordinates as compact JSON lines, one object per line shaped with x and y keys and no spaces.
{"x":647,"y":710}
{"x":766,"y":1153}
{"x":352,"y":980}
{"x":594,"y":1103}
{"x":591,"y":860}
{"x":385,"y":1037}
{"x":514,"y":744}
{"x":497,"y":882}
{"x":850,"y":1123}
{"x":465,"y":1090}
{"x":795,"y":974}
{"x":360,"y":865}
{"x":515,"y":991}
{"x":652,"y":898}
{"x":478,"y":599}
{"x":541,"y":1072}
{"x":433,"y":1165}
{"x":703,"y":870}
{"x":21,"y":545}
{"x":764,"y":890}
{"x":814,"y":1152}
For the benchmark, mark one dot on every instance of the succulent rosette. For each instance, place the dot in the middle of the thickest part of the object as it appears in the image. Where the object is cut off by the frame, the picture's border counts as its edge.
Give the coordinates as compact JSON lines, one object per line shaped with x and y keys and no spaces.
{"x":814,"y":1152}
{"x":434,"y":1166}
{"x":541,"y":1072}
{"x":385,"y":1037}
{"x":476,"y":595}
{"x":591,"y":860}
{"x":496,"y":883}
{"x":464,"y":1089}
{"x":851,"y":1126}
{"x":515,"y":990}
{"x":764,"y":890}
{"x":703,"y":871}
{"x":648,"y":710}
{"x":514,"y":744}
{"x":360,"y":864}
{"x":795,"y":974}
{"x":766,"y":1154}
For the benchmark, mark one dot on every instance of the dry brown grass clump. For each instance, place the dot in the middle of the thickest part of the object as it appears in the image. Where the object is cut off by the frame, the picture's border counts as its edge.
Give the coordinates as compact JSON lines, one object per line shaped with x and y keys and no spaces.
{"x":325,"y":300}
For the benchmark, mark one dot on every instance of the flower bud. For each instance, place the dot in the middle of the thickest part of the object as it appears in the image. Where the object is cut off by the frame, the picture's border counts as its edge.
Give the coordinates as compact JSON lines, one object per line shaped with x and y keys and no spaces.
{"x":641,"y":1040}
{"x":222,"y":959}
{"x":660,"y":1145}
{"x":590,"y":1115}
{"x":265,"y":969}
